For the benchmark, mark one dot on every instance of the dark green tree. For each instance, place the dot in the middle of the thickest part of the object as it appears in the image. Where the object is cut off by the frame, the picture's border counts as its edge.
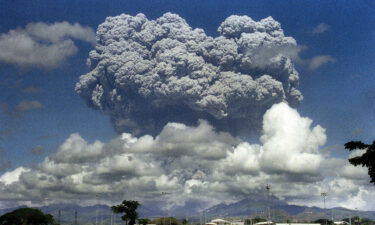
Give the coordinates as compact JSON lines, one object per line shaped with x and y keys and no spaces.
{"x":26,"y":216}
{"x":366,"y":221}
{"x":129,"y":207}
{"x":323,"y":221}
{"x":367,"y":159}
{"x":356,"y":220}
{"x":258,"y":219}
{"x":144,"y":221}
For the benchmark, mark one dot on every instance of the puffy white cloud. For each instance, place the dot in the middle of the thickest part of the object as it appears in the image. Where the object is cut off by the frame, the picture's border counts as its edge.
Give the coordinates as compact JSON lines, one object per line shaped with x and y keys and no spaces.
{"x":352,"y":172}
{"x":244,"y":159}
{"x":195,"y":163}
{"x":42,"y":45}
{"x":176,"y":140}
{"x":146,"y":73}
{"x":12,"y":176}
{"x":355,"y":153}
{"x":289,"y":144}
{"x":59,"y":31}
{"x":76,"y":149}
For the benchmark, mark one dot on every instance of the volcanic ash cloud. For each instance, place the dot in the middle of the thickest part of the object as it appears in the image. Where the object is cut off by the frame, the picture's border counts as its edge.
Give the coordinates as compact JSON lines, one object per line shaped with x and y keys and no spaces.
{"x":146,"y":73}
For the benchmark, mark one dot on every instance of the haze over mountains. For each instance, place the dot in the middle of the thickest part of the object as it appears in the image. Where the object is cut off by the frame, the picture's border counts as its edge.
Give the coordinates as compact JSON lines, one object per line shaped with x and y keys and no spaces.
{"x":281,"y":210}
{"x":248,"y":207}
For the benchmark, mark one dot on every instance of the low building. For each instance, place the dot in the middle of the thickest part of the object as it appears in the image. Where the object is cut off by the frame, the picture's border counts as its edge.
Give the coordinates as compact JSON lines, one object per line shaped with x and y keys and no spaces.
{"x":297,"y":223}
{"x":224,"y":222}
{"x":272,"y":223}
{"x":237,"y":223}
{"x":341,"y":223}
{"x":219,"y":222}
{"x":265,"y":223}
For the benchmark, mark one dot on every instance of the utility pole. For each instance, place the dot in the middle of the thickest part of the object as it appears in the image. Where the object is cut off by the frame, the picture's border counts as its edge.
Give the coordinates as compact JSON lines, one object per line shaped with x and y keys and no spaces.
{"x":168,"y":212}
{"x":59,"y":216}
{"x":96,"y":210}
{"x":357,"y":219}
{"x":111,"y":198}
{"x":268,"y":187}
{"x":324,"y":195}
{"x":75,"y":218}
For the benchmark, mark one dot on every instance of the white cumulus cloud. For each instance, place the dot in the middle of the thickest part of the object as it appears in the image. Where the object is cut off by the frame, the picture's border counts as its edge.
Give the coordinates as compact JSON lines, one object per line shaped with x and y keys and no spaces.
{"x":12,"y":176}
{"x":42,"y":45}
{"x":195,"y":163}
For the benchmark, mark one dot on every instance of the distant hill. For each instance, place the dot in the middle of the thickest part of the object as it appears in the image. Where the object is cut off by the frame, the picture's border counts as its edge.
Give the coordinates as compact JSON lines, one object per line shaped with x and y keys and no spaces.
{"x":245,"y":207}
{"x":281,"y":211}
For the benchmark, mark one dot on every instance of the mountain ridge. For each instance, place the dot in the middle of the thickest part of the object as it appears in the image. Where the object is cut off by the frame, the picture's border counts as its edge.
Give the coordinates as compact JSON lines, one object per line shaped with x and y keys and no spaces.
{"x":248,"y":207}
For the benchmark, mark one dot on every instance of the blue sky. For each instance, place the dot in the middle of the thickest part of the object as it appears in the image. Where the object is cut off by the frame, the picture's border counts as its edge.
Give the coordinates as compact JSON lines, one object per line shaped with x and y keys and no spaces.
{"x":338,"y":94}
